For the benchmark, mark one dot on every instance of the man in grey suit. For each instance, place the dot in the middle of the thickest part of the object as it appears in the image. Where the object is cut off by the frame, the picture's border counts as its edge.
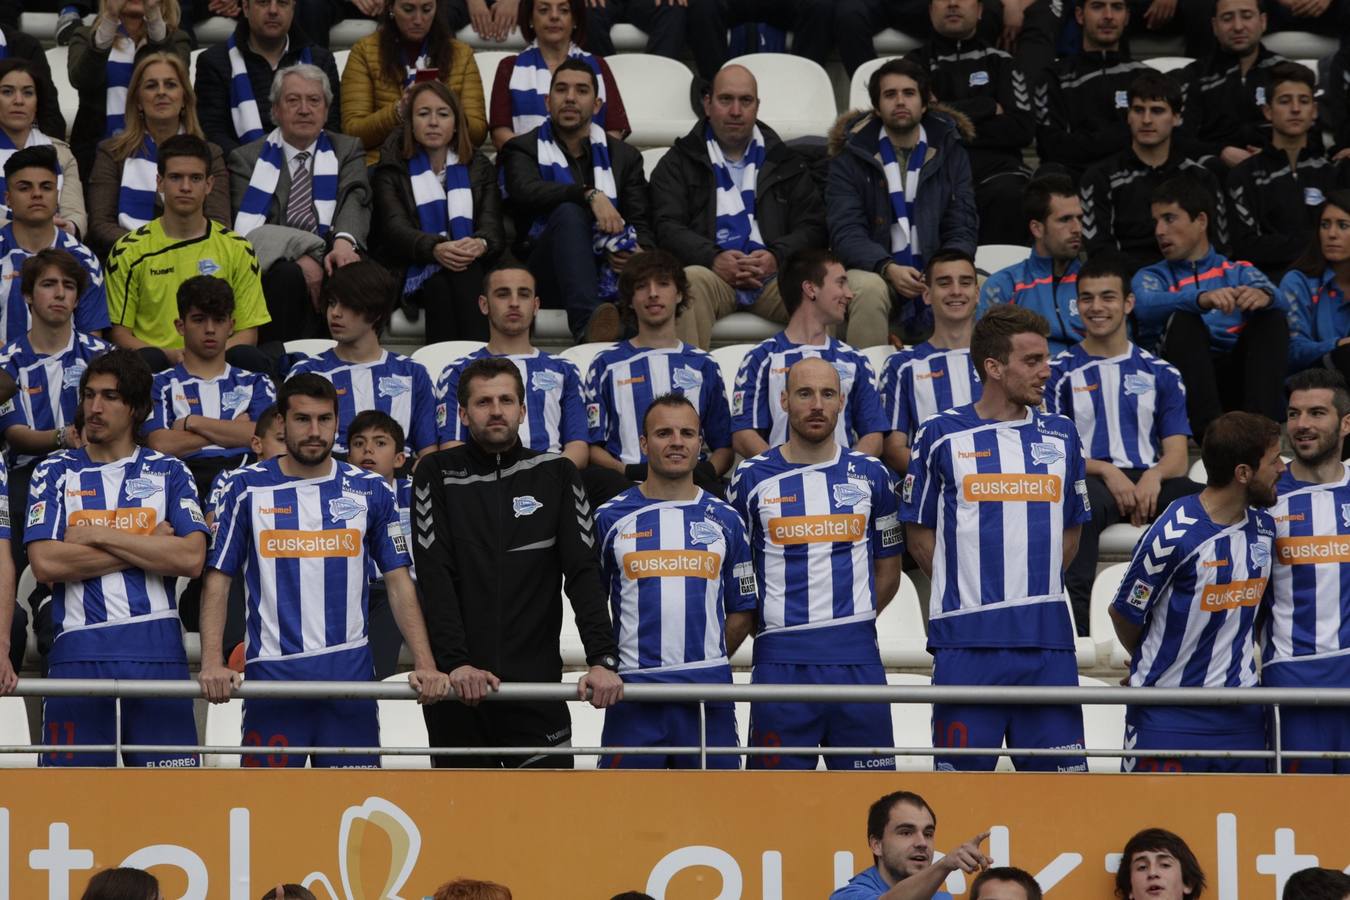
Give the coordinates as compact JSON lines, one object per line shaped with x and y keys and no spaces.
{"x":281,"y":188}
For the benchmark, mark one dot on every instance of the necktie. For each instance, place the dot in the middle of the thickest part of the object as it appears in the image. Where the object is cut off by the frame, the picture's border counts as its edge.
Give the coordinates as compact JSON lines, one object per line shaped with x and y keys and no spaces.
{"x":300,"y":206}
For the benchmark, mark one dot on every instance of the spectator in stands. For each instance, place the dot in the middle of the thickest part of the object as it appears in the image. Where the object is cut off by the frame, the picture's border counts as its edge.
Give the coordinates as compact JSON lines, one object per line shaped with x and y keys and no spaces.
{"x":42,"y":104}
{"x":757,"y":26}
{"x":826,"y":545}
{"x":901,"y":828}
{"x":1014,"y":477}
{"x":234,"y":110}
{"x":290,"y":892}
{"x":1187,"y":605}
{"x":1083,"y":104}
{"x":440,"y":214}
{"x":24,"y":93}
{"x":1130,"y":411}
{"x":1219,"y":321}
{"x":1335,"y":106}
{"x":555,"y":402}
{"x":1158,"y":864}
{"x":121,"y":185}
{"x":556,"y":30}
{"x":1047,"y":280}
{"x":733,"y":202}
{"x":122,"y":884}
{"x":1005,"y":883}
{"x":146,"y":266}
{"x":317,"y":18}
{"x":469,"y":889}
{"x":972,"y":76}
{"x":358,"y":299}
{"x":899,"y":187}
{"x":412,"y":44}
{"x":1317,"y":884}
{"x":1319,"y":331}
{"x":112,"y":578}
{"x":919,"y":382}
{"x":101,"y":59}
{"x":302,"y":198}
{"x":580,"y":201}
{"x":816,"y":293}
{"x":505,"y":525}
{"x":1277,"y":193}
{"x":1115,"y":193}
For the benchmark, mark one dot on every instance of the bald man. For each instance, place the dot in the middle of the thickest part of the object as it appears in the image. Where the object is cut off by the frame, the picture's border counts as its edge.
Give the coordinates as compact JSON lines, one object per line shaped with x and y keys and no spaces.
{"x":825,"y":540}
{"x":733,"y":244}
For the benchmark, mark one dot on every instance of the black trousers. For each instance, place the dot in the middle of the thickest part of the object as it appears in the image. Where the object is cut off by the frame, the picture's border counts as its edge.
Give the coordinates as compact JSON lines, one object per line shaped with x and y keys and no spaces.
{"x":496,"y":724}
{"x":1249,"y":377}
{"x":810,"y":21}
{"x":449,"y":300}
{"x":382,"y":632}
{"x":287,"y":296}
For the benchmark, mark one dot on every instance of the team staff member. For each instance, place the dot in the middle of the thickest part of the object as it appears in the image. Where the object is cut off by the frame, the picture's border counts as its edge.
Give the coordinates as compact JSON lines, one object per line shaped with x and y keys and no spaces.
{"x":496,"y":529}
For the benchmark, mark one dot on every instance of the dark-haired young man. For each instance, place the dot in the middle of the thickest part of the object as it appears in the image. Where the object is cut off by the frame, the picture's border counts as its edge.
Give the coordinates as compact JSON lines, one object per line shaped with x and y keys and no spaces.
{"x":1005,"y":883}
{"x":1317,"y":884}
{"x":1158,"y":863}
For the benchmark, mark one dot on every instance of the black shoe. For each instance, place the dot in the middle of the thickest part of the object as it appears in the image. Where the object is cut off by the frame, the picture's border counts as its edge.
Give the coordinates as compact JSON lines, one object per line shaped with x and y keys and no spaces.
{"x":605,"y":325}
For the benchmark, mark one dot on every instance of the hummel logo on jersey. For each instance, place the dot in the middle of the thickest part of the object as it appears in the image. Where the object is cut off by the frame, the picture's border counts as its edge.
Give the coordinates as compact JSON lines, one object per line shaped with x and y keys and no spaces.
{"x":687,"y":378}
{"x":848,"y":495}
{"x":544,"y":381}
{"x":233,"y":398}
{"x":395,"y":385}
{"x":345,"y":508}
{"x":1137,"y":384}
{"x":1043,"y":454}
{"x":704,"y":532}
{"x":525,"y":506}
{"x":140,"y":488}
{"x":70,"y":376}
{"x":1260,"y":555}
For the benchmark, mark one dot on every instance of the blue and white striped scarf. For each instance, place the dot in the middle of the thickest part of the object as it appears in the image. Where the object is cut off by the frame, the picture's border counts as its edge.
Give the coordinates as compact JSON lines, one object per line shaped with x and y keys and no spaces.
{"x":136,"y":198}
{"x":121,"y":62}
{"x":423,"y":61}
{"x":262,"y":187}
{"x":553,"y":167}
{"x":441,"y":209}
{"x":4,"y":47}
{"x":243,"y":105}
{"x":7,"y":149}
{"x":529,"y":86}
{"x":905,"y":249}
{"x":736,"y":226}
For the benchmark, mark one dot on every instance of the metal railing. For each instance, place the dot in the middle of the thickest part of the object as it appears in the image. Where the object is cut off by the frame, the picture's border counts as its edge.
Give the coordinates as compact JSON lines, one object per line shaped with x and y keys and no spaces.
{"x":1274,"y":698}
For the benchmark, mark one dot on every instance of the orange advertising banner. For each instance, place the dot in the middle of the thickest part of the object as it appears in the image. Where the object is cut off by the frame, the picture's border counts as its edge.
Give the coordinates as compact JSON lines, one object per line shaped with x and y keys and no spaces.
{"x":361,"y":835}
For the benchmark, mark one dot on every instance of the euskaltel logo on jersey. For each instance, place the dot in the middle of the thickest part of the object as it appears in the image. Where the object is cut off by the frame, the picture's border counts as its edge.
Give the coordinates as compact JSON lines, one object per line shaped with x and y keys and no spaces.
{"x":1011,"y":488}
{"x":788,"y":530}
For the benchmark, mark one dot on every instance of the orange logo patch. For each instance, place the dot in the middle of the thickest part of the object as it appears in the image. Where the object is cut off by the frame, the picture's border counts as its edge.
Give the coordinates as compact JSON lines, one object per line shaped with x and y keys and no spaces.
{"x":789,"y":530}
{"x":635,"y":535}
{"x":1004,"y":488}
{"x":134,"y":519}
{"x":936,"y":373}
{"x":682,"y":563}
{"x":974,"y":454}
{"x":1220,"y":597}
{"x":294,"y":544}
{"x":1305,"y":551}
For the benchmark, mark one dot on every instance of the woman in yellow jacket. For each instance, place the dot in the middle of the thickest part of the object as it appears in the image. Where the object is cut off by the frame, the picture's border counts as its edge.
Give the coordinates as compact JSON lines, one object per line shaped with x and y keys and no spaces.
{"x":411,"y":43}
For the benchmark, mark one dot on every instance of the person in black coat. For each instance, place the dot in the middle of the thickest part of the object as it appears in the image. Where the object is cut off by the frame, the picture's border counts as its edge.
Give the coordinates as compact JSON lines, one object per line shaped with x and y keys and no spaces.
{"x":24,"y":46}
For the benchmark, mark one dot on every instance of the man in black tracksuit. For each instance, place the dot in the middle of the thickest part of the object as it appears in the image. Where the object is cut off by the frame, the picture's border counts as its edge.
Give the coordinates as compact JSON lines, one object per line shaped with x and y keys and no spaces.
{"x":497,"y":527}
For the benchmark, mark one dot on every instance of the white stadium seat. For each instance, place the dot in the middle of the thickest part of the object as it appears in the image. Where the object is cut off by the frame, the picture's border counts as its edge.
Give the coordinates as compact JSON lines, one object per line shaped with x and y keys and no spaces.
{"x":192,"y":64}
{"x":588,"y":724}
{"x":1168,"y":63}
{"x":1197,"y":472}
{"x":627,"y":39}
{"x":404,"y":329}
{"x":796,"y":97}
{"x":66,"y":95}
{"x":992,"y":257}
{"x":310,"y":346}
{"x":551,"y":325}
{"x":569,"y":639}
{"x":487,"y":61}
{"x":1300,"y":44}
{"x":224,"y":728}
{"x":514,"y":42}
{"x":1109,"y":649}
{"x":742,"y":712}
{"x":402,"y":725}
{"x":912,"y":724}
{"x":14,"y":730}
{"x":340,"y":60}
{"x":1103,"y":728}
{"x":655,"y":93}
{"x":728,"y":360}
{"x":900,"y":631}
{"x":742,"y":328}
{"x":581,"y":355}
{"x":650,"y":157}
{"x":1085,"y":648}
{"x":895,"y":42}
{"x":349,"y":31}
{"x":214,"y":30}
{"x":877,"y":356}
{"x":1117,"y":541}
{"x":857,"y":87}
{"x":41,"y":25}
{"x":436,"y":357}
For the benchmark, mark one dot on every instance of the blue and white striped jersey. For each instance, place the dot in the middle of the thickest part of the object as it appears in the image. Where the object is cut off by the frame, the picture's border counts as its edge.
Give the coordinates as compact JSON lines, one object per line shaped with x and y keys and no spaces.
{"x":393,"y":384}
{"x":555,"y":405}
{"x":303,"y":547}
{"x":91,"y":310}
{"x":624,"y":380}
{"x":131,"y":614}
{"x":999,"y":496}
{"x":814,"y":532}
{"x":403,"y":503}
{"x":4,"y":502}
{"x":922,"y":381}
{"x":49,"y":386}
{"x":1123,"y":407}
{"x":230,"y":395}
{"x":675,"y":568}
{"x":763,"y":376}
{"x":1195,"y":587}
{"x":1305,"y":639}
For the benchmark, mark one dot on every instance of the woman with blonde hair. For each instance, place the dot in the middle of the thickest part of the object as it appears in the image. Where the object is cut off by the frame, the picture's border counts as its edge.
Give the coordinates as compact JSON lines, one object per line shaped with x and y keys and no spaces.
{"x":122,"y":194}
{"x":23,"y":92}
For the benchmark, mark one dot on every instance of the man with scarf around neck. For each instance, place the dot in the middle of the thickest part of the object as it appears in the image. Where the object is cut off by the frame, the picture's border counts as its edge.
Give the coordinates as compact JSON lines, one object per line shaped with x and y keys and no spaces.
{"x":300,"y":239}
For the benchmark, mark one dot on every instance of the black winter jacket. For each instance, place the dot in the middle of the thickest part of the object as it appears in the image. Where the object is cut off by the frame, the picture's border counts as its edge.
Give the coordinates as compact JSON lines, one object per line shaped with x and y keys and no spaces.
{"x":1081,"y":107}
{"x":1222,"y":107}
{"x":1275,"y":208}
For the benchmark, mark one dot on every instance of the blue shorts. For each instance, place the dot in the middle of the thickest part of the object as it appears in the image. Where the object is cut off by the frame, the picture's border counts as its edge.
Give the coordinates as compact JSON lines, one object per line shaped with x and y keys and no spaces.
{"x":313,"y":723}
{"x":1313,"y":728}
{"x":1021,"y":725}
{"x":1143,"y":738}
{"x":820,"y":724}
{"x":93,"y":720}
{"x":670,"y":725}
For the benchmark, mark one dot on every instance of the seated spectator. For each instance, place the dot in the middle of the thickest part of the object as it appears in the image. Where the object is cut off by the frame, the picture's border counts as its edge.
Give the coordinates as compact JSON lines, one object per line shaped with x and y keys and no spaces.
{"x":122,"y":884}
{"x":43,"y":105}
{"x":101,"y":59}
{"x":1317,"y":884}
{"x":1082,"y":104}
{"x":556,"y":30}
{"x":318,"y":17}
{"x":1319,"y":331}
{"x":122,"y":197}
{"x":555,"y":403}
{"x":1335,"y":106}
{"x":1130,"y":411}
{"x":147,"y":265}
{"x":899,"y":187}
{"x":816,"y":294}
{"x":580,"y":202}
{"x":1278,"y":192}
{"x":358,"y":299}
{"x":302,"y":198}
{"x":1219,"y":321}
{"x":921,"y":381}
{"x":1047,"y":280}
{"x":756,"y":26}
{"x":733,"y":202}
{"x":440,"y":214}
{"x":1115,"y":192}
{"x":24,"y":91}
{"x":234,"y":78}
{"x":975,"y":78}
{"x":411,"y":44}
{"x":1157,"y":863}
{"x":1005,"y":883}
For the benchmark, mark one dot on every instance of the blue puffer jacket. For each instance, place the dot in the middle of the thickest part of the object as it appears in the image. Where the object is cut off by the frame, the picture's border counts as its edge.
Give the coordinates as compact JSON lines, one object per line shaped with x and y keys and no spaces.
{"x":1319,"y":317}
{"x":1032,"y":283}
{"x":1168,"y":287}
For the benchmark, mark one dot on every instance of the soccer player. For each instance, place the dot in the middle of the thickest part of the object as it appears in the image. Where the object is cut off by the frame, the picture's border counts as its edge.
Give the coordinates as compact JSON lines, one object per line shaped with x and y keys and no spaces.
{"x":1187,"y":605}
{"x":1304,"y":638}
{"x":994,"y":498}
{"x":110,"y":526}
{"x":919,"y":382}
{"x":826,"y":545}
{"x":302,"y":529}
{"x":202,"y":409}
{"x":555,"y":404}
{"x":359,"y":298}
{"x":682,"y":593}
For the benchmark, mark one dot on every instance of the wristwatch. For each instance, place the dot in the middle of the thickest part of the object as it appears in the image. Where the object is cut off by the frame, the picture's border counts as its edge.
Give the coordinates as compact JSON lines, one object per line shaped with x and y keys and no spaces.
{"x":590,"y":195}
{"x":609,"y":661}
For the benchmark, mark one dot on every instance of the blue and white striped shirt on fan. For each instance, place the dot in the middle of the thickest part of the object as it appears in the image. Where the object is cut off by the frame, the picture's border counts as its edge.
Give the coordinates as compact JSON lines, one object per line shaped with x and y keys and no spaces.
{"x":49,"y":386}
{"x":91,"y":311}
{"x":555,"y":405}
{"x":393,"y":384}
{"x":177,"y":393}
{"x":922,"y":381}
